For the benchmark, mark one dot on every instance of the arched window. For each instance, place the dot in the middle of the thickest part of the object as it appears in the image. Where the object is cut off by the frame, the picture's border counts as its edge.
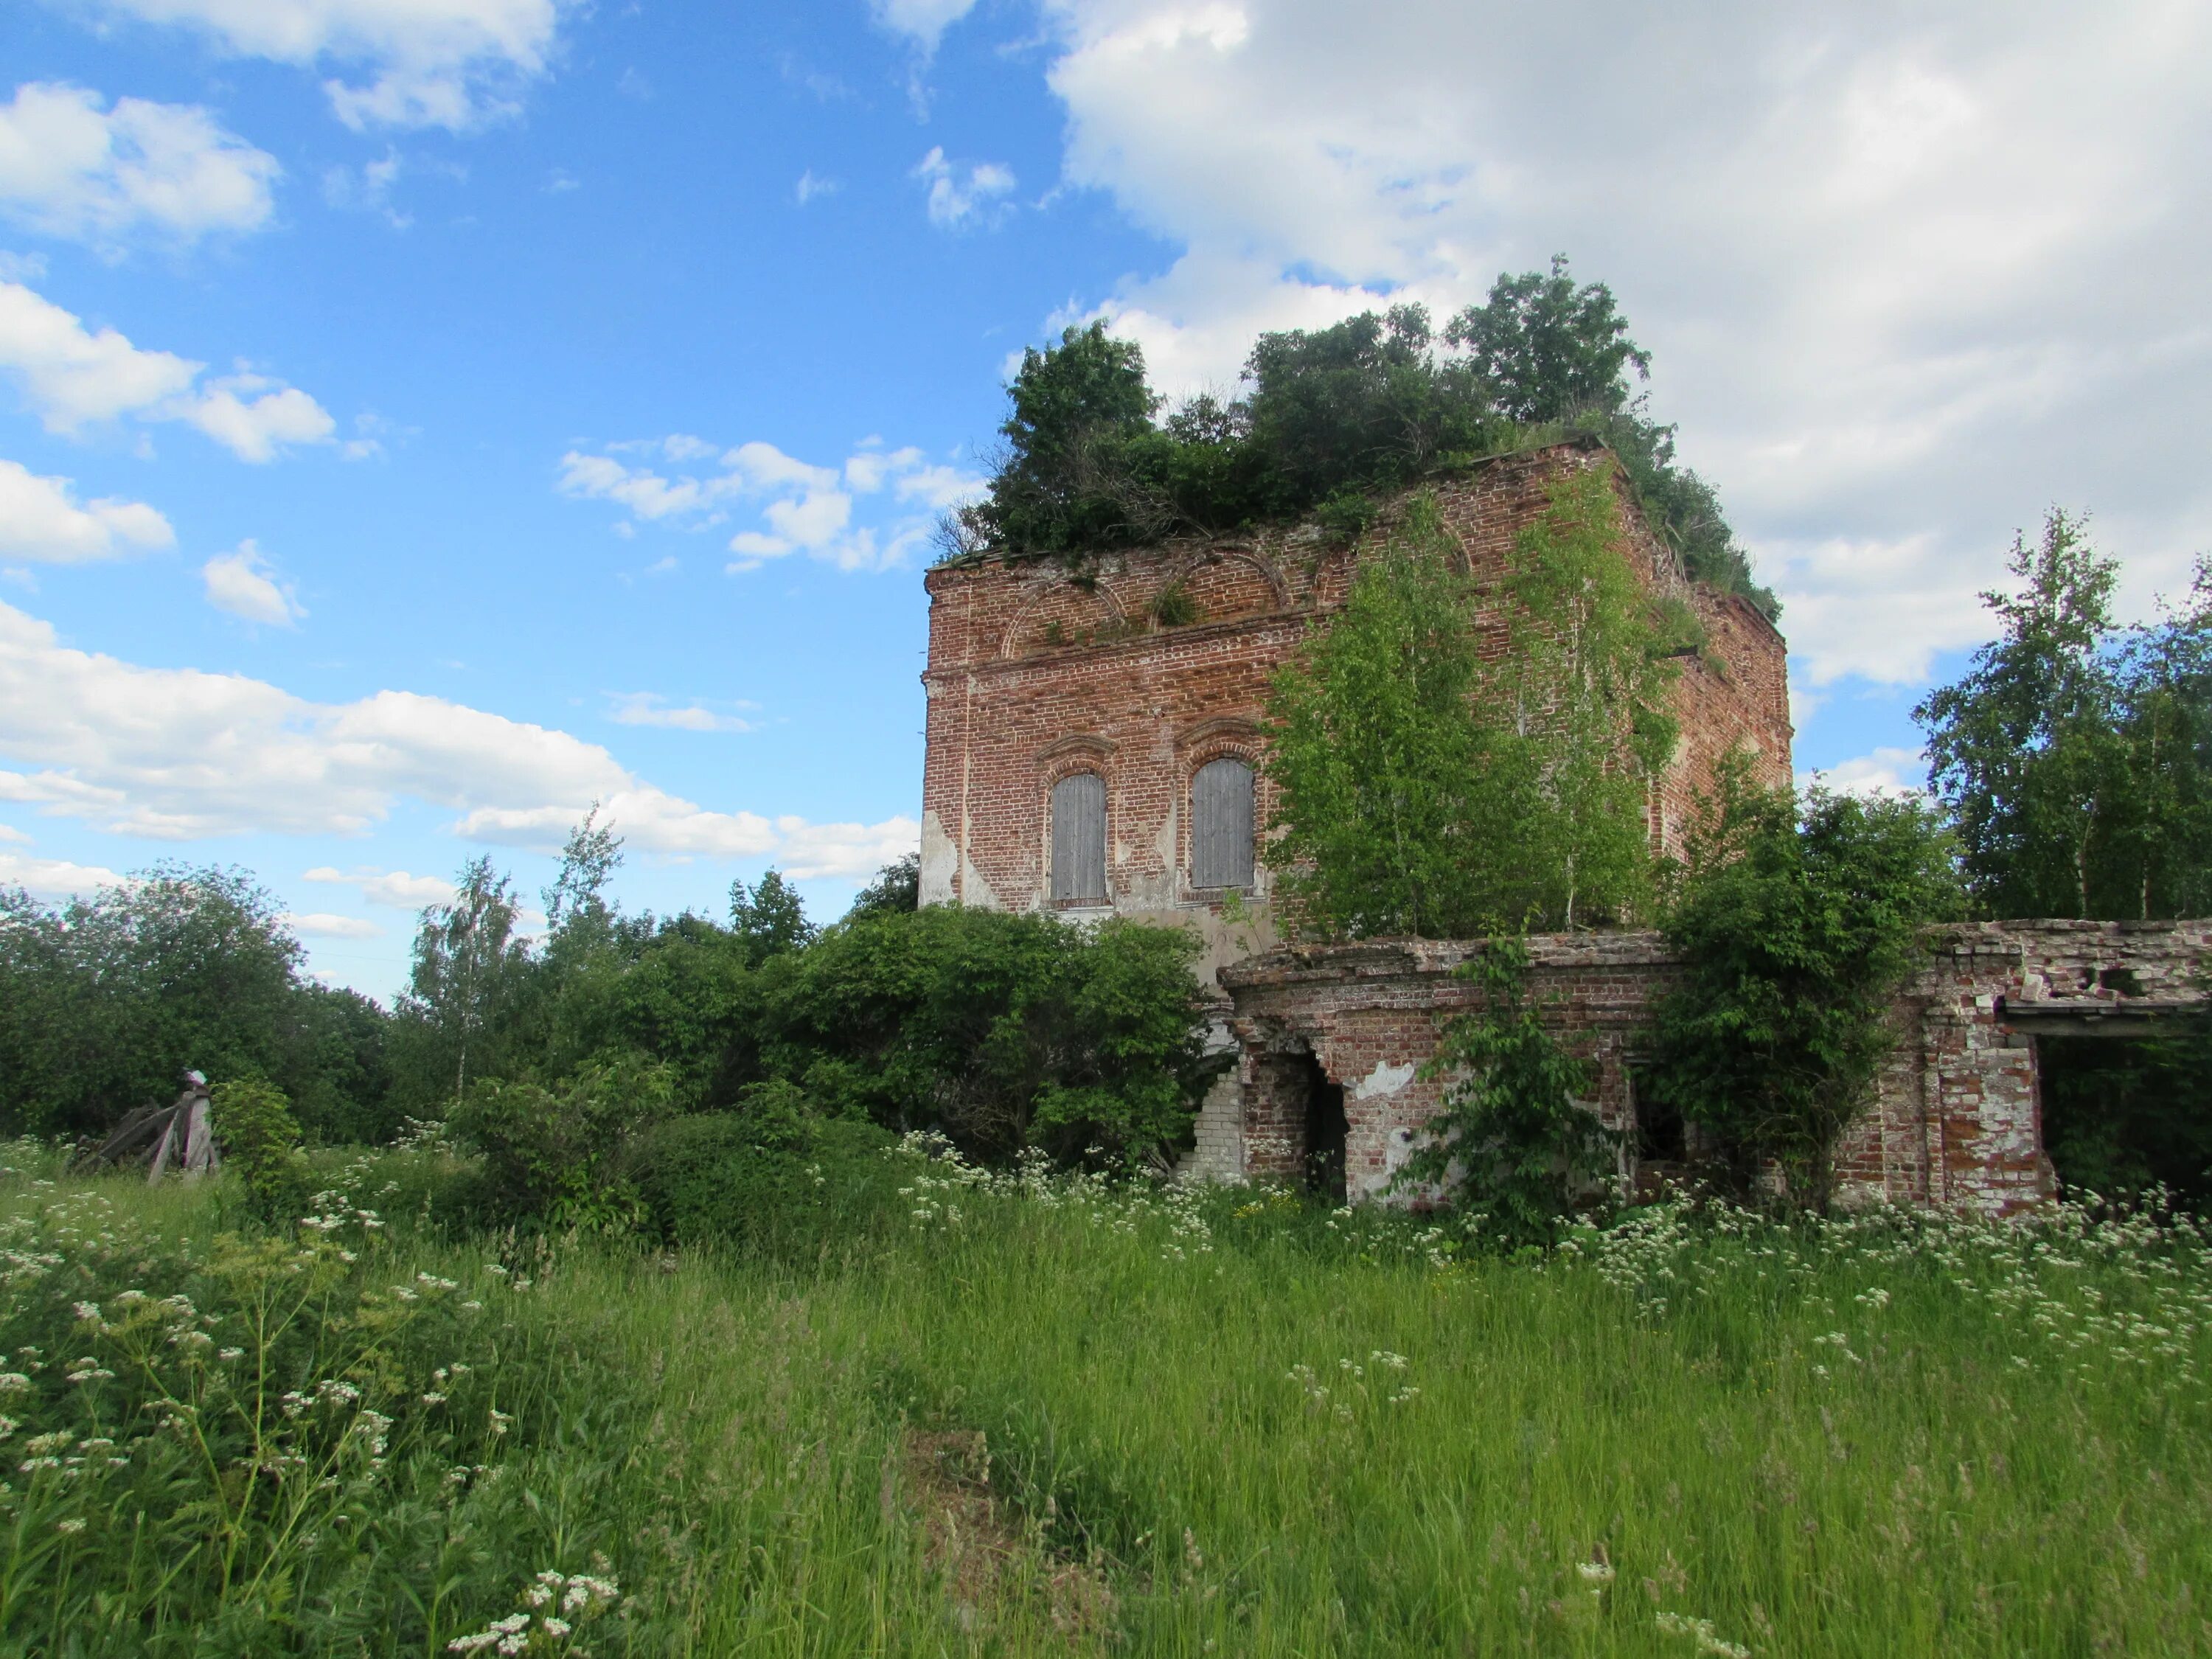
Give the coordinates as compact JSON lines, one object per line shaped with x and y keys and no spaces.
{"x":1078,"y":838}
{"x":1221,"y":825}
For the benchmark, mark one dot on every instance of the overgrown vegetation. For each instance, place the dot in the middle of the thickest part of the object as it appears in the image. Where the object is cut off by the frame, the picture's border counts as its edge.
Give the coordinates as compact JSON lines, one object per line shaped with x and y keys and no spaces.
{"x":1514,"y":1144}
{"x":1330,"y":420}
{"x":2076,"y":755}
{"x":1230,"y":1422}
{"x":1427,"y":787}
{"x":1798,"y":919}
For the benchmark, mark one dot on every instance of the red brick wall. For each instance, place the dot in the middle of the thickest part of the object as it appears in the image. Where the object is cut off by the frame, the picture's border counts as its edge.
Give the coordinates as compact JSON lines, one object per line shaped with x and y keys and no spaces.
{"x":1034,"y":673}
{"x":1956,"y":1123}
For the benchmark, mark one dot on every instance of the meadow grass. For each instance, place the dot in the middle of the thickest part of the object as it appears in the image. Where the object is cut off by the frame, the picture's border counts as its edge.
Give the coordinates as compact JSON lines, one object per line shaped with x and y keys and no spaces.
{"x":1178,"y":1422}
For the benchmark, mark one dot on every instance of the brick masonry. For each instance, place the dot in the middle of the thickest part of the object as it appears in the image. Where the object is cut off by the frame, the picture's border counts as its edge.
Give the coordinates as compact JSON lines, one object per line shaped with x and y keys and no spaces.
{"x":1957,"y":1123}
{"x":1034,"y":673}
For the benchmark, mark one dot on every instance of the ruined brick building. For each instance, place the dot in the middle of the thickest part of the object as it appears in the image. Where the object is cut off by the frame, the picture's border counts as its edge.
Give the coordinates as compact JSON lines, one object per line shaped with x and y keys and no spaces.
{"x":1094,"y":736}
{"x":1093,"y":747}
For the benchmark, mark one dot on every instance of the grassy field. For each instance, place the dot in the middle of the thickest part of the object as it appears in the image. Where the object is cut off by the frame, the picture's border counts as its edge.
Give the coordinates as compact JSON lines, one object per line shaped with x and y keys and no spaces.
{"x":1033,"y":1415}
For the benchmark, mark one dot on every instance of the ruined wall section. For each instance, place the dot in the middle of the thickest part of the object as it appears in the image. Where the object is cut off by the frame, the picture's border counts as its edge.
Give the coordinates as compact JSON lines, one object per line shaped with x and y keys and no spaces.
{"x":1037,"y":671}
{"x":1957,"y":1122}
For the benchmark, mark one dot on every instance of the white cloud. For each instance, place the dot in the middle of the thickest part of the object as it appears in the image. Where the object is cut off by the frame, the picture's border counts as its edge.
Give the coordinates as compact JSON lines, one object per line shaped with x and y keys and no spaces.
{"x":921,"y":21}
{"x":181,"y":754}
{"x":844,"y":849}
{"x":451,"y":64}
{"x":645,"y":708}
{"x":245,"y":584}
{"x":802,"y":508}
{"x":323,"y":924}
{"x":368,"y":189}
{"x":1890,"y":772}
{"x":71,"y":376}
{"x":810,"y":186}
{"x":51,"y":878}
{"x":41,"y":520}
{"x":395,"y":888}
{"x":1909,"y":274}
{"x":70,"y":168}
{"x":962,"y":193}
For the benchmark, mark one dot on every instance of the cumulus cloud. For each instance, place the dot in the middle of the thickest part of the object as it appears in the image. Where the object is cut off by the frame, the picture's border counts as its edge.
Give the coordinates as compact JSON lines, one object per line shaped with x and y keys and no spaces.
{"x":802,"y":508}
{"x":180,"y":754}
{"x":844,"y":849}
{"x":451,"y":64}
{"x":245,"y":584}
{"x":645,"y":709}
{"x":71,"y":376}
{"x":324,"y":924}
{"x":960,"y":194}
{"x":52,"y":879}
{"x":1908,"y":273}
{"x":41,"y":520}
{"x":1889,"y":772}
{"x":71,"y":168}
{"x":810,"y":185}
{"x":395,"y":888}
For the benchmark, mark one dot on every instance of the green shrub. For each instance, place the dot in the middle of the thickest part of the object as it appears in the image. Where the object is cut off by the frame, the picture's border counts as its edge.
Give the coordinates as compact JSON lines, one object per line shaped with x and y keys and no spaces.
{"x":254,"y":1124}
{"x":773,"y":1177}
{"x":556,"y":1155}
{"x":1514,"y":1143}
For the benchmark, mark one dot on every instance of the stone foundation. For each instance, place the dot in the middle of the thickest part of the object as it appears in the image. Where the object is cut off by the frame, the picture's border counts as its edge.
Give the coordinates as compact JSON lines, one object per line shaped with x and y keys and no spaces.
{"x":1957,"y":1122}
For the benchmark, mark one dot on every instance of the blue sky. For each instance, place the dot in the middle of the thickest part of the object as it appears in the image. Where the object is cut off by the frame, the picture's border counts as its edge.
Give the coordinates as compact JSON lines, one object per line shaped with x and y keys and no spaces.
{"x":416,"y":421}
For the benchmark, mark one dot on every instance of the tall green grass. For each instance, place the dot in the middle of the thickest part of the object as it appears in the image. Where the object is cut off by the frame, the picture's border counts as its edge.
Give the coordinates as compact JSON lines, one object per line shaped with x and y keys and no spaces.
{"x":1256,"y":1426}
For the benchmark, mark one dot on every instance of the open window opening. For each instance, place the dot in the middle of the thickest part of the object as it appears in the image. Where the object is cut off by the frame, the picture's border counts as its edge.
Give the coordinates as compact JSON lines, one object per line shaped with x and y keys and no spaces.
{"x":1326,"y":1130}
{"x":2121,"y":1115}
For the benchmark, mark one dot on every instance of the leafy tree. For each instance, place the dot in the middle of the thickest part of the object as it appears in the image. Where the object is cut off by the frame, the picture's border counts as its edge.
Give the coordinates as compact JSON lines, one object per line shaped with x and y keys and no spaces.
{"x":769,"y":919}
{"x":2077,"y":758}
{"x":1513,"y":1142}
{"x":897,"y":887}
{"x":1423,"y":789}
{"x":1001,"y":1030}
{"x":470,"y":974}
{"x":558,"y":1154}
{"x":107,"y":998}
{"x":1586,"y":686}
{"x":1395,"y":792}
{"x":1798,"y":920}
{"x":1330,"y":418}
{"x":576,"y":903}
{"x":1550,"y":350}
{"x":1366,"y":404}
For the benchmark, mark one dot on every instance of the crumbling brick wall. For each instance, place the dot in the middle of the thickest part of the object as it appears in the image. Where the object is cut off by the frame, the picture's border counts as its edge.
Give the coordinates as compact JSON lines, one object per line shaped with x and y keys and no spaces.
{"x":1957,"y":1122}
{"x":1035,"y":672}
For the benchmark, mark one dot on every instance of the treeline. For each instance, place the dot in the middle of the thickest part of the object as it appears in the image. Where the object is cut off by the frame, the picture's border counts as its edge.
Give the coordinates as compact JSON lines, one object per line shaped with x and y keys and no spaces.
{"x":1329,"y":419}
{"x":999,"y":1032}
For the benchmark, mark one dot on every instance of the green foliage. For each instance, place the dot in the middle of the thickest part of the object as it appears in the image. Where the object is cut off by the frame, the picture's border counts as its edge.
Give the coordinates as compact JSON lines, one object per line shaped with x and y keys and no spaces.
{"x":1331,"y":418}
{"x":1514,"y":1144}
{"x":770,"y":920}
{"x":775,"y":1177}
{"x":2076,"y":758}
{"x":1174,"y":607}
{"x":2129,"y":1118}
{"x":1002,"y":1030}
{"x":1550,"y":351}
{"x":897,"y":887}
{"x":254,"y":1124}
{"x":1797,"y":922}
{"x":471,"y":973}
{"x":105,"y":999}
{"x":1423,"y":790}
{"x":558,"y":1154}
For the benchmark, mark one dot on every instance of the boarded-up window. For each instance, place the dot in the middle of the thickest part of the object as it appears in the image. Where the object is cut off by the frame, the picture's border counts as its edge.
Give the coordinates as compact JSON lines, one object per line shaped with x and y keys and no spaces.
{"x":1078,"y":837}
{"x":1221,"y":825}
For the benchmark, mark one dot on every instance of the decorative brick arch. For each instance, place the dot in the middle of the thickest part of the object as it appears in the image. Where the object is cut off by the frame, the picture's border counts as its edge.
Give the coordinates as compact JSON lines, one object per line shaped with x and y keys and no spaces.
{"x":1084,"y":612}
{"x":1227,"y":581}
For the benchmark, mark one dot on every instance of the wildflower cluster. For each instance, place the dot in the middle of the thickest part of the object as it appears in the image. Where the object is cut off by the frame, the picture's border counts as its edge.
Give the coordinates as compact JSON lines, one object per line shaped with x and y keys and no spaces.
{"x":554,"y":1608}
{"x":1353,"y":1389}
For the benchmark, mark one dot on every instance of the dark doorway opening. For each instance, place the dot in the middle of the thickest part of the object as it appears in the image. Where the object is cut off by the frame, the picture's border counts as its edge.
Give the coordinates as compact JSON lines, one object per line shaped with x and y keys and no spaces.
{"x":2120,"y":1114}
{"x":1326,"y":1130}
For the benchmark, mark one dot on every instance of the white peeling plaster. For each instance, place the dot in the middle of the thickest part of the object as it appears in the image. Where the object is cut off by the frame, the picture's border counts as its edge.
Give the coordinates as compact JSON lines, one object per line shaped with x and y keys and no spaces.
{"x":1384,"y":1080}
